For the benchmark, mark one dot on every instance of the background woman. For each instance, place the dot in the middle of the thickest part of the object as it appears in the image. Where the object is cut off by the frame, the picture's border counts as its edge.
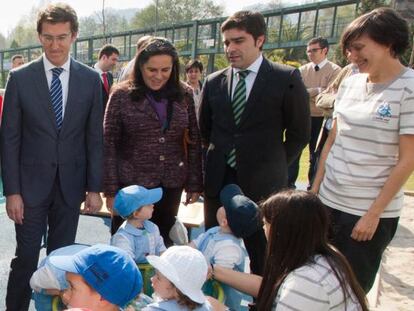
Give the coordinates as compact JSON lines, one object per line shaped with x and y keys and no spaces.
{"x":302,"y":271}
{"x":151,"y":134}
{"x":369,"y":153}
{"x":193,"y":73}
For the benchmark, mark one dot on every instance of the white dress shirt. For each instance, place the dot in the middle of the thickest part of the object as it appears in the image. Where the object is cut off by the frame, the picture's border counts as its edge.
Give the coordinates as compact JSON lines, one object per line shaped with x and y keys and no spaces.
{"x":321,"y":64}
{"x":64,"y":78}
{"x":251,"y":77}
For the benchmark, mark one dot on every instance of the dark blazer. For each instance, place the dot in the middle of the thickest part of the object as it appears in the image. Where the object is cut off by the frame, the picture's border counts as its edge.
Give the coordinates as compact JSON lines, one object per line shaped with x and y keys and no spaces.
{"x":273,"y":129}
{"x":138,"y":152}
{"x":33,"y":151}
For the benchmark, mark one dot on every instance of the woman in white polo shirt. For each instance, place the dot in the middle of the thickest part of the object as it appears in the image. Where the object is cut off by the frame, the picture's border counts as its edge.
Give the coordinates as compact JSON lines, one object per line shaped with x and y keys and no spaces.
{"x":369,"y":153}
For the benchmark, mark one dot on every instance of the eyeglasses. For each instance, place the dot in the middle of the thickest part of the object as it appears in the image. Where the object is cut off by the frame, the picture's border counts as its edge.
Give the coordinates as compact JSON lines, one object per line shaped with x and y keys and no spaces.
{"x":313,"y":50}
{"x":58,"y":39}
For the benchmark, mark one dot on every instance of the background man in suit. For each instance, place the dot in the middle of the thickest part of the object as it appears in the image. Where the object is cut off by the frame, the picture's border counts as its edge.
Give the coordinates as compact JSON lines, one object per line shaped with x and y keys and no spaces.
{"x":254,"y":119}
{"x":108,"y":57}
{"x":16,"y":61}
{"x":51,"y":147}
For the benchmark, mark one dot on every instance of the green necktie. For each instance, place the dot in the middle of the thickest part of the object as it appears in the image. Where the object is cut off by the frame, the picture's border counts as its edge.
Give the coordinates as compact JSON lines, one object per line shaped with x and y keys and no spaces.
{"x":238,"y":103}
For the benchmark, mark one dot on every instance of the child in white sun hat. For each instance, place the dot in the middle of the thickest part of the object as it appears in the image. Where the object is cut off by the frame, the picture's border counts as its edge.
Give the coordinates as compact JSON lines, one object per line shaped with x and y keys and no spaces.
{"x":180,"y":273}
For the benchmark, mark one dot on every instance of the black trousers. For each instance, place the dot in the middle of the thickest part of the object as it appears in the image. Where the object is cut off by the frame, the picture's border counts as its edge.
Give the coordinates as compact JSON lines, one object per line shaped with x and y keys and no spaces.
{"x":255,"y":244}
{"x":364,"y":257}
{"x":164,"y":213}
{"x":62,"y":221}
{"x":293,"y":170}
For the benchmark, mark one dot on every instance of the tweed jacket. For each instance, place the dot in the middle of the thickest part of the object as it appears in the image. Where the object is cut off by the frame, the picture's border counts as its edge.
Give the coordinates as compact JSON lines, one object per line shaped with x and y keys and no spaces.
{"x":138,"y":152}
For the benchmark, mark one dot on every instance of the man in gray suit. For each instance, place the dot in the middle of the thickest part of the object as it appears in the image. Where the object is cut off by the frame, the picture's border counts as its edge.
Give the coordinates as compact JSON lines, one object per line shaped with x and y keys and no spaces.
{"x":51,"y":147}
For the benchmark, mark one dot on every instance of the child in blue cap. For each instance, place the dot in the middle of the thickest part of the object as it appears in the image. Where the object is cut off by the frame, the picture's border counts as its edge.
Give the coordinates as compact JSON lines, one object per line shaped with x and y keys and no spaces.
{"x":138,"y":236}
{"x":222,"y":245}
{"x":100,"y":278}
{"x":48,"y":281}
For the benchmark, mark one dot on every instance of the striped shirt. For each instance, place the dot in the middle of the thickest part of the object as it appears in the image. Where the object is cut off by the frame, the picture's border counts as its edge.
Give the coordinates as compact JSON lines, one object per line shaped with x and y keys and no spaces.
{"x":313,"y":287}
{"x":370,"y":119}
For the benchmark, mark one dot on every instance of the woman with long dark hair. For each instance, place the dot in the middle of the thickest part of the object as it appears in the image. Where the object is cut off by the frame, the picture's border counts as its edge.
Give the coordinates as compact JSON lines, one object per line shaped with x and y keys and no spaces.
{"x":302,"y":270}
{"x":151,"y":135}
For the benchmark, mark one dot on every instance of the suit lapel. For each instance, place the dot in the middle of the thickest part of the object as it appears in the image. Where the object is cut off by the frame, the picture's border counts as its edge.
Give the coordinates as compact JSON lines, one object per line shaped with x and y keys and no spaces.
{"x":110,"y":79}
{"x":226,"y":88}
{"x":69,"y":108}
{"x":257,"y":90}
{"x":43,"y":90}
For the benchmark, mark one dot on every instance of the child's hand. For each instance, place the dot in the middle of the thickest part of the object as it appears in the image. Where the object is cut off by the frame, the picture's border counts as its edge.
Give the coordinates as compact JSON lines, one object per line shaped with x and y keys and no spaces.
{"x":53,"y":292}
{"x":210,"y":272}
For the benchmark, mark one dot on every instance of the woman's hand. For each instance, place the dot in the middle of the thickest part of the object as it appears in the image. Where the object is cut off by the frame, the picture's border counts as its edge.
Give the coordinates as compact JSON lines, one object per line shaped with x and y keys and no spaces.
{"x":109,"y":203}
{"x":365,"y":227}
{"x":191,"y":197}
{"x":93,"y":202}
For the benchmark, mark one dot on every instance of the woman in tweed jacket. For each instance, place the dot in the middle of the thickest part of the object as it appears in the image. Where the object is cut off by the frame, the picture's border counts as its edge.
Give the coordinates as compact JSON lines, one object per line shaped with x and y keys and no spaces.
{"x":151,"y":135}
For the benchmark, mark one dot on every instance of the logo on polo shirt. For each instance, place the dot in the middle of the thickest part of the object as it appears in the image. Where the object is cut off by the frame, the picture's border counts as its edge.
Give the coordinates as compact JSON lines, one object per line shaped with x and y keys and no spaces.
{"x":383,"y":113}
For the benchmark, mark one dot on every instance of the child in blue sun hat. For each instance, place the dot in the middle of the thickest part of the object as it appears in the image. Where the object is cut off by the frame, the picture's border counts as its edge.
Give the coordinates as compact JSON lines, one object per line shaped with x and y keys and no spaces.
{"x":100,"y":278}
{"x":222,"y":245}
{"x":48,"y":281}
{"x":138,"y":236}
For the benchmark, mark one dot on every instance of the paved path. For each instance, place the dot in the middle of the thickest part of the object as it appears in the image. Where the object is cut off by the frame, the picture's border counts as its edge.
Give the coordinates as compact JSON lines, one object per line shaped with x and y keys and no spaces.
{"x":396,"y":286}
{"x":91,"y":230}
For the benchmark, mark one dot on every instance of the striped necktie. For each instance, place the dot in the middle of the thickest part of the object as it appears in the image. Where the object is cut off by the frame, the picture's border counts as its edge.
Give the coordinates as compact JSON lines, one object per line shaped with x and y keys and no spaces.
{"x":238,"y":104}
{"x":56,"y":96}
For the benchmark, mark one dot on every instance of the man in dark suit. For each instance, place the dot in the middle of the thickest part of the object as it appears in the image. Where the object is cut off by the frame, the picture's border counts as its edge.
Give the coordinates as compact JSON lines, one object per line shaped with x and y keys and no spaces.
{"x":254,"y":119}
{"x":51,"y":148}
{"x":107,"y":59}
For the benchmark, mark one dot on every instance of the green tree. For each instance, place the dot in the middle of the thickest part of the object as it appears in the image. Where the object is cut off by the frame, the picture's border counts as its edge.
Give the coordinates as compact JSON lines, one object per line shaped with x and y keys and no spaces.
{"x":24,"y":33}
{"x":2,"y":41}
{"x":14,"y":45}
{"x":176,"y":11}
{"x":92,"y":25}
{"x":366,"y":6}
{"x":88,"y":26}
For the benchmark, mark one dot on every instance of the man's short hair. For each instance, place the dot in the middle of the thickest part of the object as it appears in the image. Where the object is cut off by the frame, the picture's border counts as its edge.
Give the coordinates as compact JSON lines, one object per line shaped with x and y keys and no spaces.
{"x":194,"y":63}
{"x":383,"y":25}
{"x":108,"y":50}
{"x":58,"y":13}
{"x":14,"y":57}
{"x":251,"y":22}
{"x":323,"y":42}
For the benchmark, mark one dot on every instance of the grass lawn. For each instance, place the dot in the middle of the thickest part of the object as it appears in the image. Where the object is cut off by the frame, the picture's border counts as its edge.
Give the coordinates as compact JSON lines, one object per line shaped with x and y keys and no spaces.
{"x":304,"y":165}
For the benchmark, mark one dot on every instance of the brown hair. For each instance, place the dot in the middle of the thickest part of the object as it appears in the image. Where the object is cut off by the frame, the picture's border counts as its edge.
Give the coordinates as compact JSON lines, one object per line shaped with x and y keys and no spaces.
{"x":299,"y":225}
{"x":58,"y":13}
{"x":194,"y":63}
{"x":185,"y":301}
{"x":383,"y":25}
{"x":323,"y":42}
{"x":251,"y":22}
{"x":153,"y":47}
{"x":14,"y":57}
{"x":108,"y":50}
